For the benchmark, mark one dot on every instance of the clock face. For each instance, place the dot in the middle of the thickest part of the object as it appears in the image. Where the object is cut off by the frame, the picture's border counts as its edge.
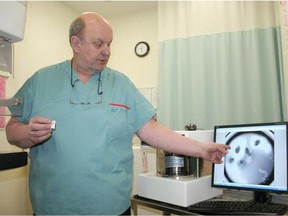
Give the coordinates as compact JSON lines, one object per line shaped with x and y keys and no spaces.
{"x":142,"y":49}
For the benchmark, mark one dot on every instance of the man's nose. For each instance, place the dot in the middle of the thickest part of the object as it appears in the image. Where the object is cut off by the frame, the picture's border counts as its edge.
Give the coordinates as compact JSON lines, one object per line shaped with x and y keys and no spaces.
{"x":106,"y":50}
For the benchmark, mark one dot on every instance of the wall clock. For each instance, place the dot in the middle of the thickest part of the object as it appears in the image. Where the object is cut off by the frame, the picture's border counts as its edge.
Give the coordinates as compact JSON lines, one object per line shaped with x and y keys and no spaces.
{"x":142,"y":49}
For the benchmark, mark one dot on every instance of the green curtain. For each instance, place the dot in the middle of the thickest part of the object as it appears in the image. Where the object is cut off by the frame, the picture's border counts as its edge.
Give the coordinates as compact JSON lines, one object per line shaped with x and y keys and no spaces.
{"x":221,"y":78}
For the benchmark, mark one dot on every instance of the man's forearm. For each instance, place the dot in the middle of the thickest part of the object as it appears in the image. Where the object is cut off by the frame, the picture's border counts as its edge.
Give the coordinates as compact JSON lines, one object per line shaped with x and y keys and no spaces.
{"x":17,"y":134}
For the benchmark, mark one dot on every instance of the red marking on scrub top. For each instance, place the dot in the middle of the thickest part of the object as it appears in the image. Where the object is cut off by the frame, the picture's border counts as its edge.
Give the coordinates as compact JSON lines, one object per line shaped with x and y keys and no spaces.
{"x":120,"y":105}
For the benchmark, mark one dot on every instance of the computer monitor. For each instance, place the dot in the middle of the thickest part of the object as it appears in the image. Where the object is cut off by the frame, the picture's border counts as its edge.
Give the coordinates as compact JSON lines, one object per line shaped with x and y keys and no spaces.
{"x":257,"y":160}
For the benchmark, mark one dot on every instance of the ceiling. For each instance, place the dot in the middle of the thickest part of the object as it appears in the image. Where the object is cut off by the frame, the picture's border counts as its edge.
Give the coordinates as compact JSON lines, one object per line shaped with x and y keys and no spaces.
{"x":110,"y":8}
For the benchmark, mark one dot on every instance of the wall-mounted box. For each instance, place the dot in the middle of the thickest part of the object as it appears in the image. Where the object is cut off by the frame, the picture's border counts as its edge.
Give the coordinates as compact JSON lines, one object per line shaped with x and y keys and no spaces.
{"x":6,"y":58}
{"x":13,"y":19}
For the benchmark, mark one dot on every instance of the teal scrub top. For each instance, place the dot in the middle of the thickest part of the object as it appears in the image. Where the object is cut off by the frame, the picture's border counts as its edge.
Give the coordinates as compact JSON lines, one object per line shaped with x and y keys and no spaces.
{"x":86,"y":166}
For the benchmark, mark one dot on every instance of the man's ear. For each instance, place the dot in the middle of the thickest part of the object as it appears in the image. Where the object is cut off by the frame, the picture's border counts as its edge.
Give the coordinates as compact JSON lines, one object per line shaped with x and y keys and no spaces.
{"x":75,"y":43}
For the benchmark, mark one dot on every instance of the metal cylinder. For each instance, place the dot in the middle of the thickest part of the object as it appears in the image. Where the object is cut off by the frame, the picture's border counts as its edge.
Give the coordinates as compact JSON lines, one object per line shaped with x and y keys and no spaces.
{"x":175,"y":165}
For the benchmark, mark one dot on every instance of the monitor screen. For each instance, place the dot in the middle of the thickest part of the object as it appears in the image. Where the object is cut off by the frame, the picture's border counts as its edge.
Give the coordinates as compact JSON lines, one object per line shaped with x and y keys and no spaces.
{"x":257,"y":160}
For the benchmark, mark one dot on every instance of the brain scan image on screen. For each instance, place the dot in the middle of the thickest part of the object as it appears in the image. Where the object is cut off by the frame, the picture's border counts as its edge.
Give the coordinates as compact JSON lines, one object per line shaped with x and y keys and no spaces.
{"x":251,"y":158}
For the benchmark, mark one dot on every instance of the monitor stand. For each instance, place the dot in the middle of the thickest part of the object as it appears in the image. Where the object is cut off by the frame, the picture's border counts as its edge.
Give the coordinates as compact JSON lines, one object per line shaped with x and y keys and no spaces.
{"x":262,"y":197}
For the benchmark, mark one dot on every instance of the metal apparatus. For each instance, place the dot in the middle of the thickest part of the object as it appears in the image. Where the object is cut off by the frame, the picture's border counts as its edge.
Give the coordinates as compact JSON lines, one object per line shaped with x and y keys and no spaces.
{"x":175,"y":165}
{"x":177,"y":179}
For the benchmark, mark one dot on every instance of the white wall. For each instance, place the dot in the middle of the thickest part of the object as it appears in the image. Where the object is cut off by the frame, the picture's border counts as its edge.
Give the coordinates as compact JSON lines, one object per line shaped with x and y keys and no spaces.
{"x":128,"y":31}
{"x":14,"y":198}
{"x":46,"y":42}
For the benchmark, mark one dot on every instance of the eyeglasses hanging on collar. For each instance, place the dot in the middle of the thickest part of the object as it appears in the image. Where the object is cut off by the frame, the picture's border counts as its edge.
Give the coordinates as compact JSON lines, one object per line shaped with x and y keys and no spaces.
{"x":73,"y":83}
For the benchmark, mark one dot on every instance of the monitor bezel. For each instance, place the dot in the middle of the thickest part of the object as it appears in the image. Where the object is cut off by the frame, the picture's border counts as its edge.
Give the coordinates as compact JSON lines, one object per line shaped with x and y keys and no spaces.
{"x":244,"y":188}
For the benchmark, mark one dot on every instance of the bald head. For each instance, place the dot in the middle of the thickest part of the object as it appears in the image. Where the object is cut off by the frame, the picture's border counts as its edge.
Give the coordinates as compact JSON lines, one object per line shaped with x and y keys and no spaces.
{"x":92,"y":16}
{"x":78,"y":25}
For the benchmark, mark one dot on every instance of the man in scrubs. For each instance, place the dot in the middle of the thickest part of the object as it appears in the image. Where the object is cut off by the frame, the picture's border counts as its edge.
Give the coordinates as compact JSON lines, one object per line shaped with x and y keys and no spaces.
{"x":84,"y":165}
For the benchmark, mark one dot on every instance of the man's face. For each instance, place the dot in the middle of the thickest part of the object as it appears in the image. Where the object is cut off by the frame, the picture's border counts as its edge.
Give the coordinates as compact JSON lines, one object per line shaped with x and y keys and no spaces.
{"x":94,"y":51}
